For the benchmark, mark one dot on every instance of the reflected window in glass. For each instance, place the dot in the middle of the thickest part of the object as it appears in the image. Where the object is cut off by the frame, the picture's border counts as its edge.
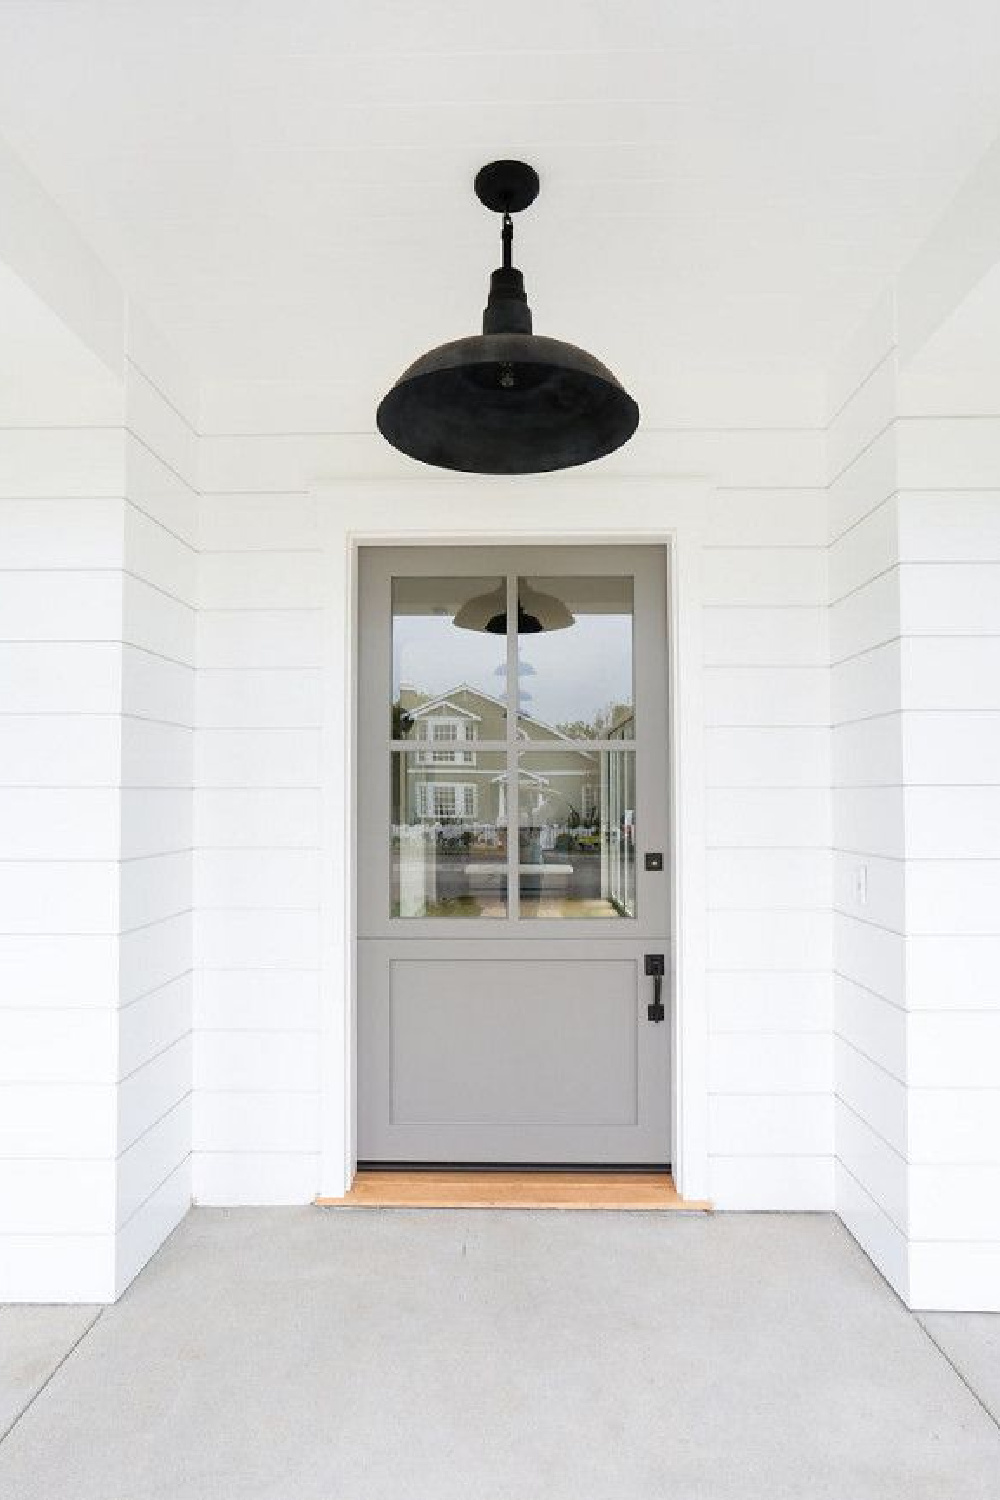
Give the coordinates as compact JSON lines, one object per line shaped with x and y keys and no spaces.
{"x":448,"y":838}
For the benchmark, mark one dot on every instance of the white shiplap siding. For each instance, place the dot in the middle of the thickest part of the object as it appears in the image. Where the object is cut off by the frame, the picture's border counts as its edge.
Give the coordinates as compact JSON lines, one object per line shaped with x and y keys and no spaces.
{"x":61,"y":590}
{"x":767,"y":752}
{"x":157,"y":835}
{"x":949,"y":551}
{"x":257,"y":860}
{"x":868,"y":808}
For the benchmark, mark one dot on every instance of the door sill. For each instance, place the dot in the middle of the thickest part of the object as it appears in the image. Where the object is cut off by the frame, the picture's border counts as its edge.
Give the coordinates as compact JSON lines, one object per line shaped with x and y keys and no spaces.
{"x":629,"y":1191}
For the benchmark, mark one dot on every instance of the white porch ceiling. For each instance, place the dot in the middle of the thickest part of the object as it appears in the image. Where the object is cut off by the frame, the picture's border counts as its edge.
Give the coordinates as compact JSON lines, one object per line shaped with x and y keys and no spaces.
{"x":286,"y":187}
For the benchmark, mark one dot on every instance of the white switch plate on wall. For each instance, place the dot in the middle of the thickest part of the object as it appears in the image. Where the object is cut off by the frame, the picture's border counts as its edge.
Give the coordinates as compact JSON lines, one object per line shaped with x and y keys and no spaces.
{"x":861,"y":885}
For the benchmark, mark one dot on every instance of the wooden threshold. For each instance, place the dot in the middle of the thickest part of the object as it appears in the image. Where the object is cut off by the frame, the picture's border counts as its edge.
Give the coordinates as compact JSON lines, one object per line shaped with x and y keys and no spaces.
{"x":624,"y":1191}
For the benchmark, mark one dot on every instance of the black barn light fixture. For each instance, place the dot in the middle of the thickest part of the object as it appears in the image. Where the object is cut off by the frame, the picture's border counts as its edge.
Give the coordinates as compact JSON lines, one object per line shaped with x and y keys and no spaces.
{"x":507,"y":401}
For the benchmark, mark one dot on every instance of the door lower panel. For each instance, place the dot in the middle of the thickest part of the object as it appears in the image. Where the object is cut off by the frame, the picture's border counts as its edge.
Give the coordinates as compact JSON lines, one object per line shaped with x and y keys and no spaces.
{"x":478,"y":1054}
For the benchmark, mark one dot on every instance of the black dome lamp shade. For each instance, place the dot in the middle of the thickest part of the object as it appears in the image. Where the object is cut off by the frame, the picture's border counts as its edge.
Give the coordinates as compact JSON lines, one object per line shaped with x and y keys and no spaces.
{"x":536,"y":612}
{"x":507,"y":401}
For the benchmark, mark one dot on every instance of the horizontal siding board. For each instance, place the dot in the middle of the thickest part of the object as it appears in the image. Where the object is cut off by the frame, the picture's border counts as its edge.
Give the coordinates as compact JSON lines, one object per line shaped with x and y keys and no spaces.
{"x":264,"y":939}
{"x":868,"y":753}
{"x":46,"y":605}
{"x":873,"y":1094}
{"x":953,"y":822}
{"x":248,"y":1061}
{"x":770,"y":1002}
{"x":65,"y":462}
{"x":952,"y":972}
{"x":866,"y":551}
{"x":951,"y":675}
{"x":58,"y":750}
{"x":958,"y":748}
{"x":267,"y":580}
{"x":159,"y":556}
{"x":153,"y":956}
{"x":949,"y":1277}
{"x":866,"y":617}
{"x":764,"y":576}
{"x":772,"y":1063}
{"x":257,"y":819}
{"x":60,"y":677}
{"x":45,"y":896}
{"x":767,"y":696}
{"x":237,"y":758}
{"x":882,"y":1240}
{"x":259,"y":523}
{"x":158,"y":622}
{"x":766,"y":518}
{"x":763,"y":879}
{"x":780,"y":1125}
{"x":764,"y":637}
{"x":871,"y":1024}
{"x":259,"y":699}
{"x":154,"y":688}
{"x":257,"y":878}
{"x":234,"y":1179}
{"x":46,"y":534}
{"x":950,"y":598}
{"x":256,"y":1000}
{"x":156,"y":886}
{"x":154,"y":487}
{"x":256,"y":1122}
{"x":941,"y":526}
{"x":790,"y":1183}
{"x":149,"y":1026}
{"x":749,"y":755}
{"x":260,"y":638}
{"x":766,"y":817}
{"x":769,"y":940}
{"x":874,"y":1164}
{"x":871,"y":956}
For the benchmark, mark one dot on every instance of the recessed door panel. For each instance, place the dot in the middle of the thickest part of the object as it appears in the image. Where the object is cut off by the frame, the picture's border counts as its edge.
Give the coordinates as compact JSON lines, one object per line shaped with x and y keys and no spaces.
{"x":541,"y":1059}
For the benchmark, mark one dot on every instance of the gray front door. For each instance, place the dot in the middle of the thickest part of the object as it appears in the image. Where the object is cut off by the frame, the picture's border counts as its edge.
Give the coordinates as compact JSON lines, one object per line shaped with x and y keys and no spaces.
{"x":512,"y":800}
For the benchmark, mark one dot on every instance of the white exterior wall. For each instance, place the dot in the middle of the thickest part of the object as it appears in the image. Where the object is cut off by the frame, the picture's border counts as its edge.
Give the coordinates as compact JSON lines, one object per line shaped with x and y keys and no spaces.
{"x":257,"y":841}
{"x":95,"y":951}
{"x":915,"y":621}
{"x":61,"y":525}
{"x":949,"y":549}
{"x":869,"y":826}
{"x":769,"y":867}
{"x":257,"y":1100}
{"x":157,"y":708}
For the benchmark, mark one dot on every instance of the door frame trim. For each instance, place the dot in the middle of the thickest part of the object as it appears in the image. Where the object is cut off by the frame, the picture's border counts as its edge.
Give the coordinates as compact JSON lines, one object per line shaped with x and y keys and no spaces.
{"x":547,"y":510}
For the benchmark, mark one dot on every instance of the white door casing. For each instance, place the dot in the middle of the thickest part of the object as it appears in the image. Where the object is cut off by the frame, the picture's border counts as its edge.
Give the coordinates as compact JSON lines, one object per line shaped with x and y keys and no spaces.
{"x":565,"y":510}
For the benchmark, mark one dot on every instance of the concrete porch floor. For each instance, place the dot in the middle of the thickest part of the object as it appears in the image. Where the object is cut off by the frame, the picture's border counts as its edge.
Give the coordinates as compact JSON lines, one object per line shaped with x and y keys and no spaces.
{"x":296,"y":1354}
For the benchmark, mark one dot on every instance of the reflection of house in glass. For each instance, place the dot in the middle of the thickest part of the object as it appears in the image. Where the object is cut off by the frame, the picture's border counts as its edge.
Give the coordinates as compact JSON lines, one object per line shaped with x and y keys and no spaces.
{"x":451,"y":809}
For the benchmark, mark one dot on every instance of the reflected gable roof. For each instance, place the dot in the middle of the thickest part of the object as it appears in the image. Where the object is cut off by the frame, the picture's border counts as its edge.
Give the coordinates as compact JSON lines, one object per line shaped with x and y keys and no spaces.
{"x":447,"y":700}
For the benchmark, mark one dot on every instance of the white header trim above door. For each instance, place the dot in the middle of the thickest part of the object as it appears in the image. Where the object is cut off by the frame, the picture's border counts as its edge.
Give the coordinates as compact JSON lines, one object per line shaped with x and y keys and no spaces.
{"x":365,"y":512}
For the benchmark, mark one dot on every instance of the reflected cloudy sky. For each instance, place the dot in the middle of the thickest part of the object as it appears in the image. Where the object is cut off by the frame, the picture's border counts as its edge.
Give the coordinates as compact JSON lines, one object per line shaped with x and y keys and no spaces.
{"x":577,"y":672}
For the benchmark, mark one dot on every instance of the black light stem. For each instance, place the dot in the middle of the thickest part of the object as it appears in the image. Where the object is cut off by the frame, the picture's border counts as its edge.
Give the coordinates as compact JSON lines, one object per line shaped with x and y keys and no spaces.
{"x":507,"y":236}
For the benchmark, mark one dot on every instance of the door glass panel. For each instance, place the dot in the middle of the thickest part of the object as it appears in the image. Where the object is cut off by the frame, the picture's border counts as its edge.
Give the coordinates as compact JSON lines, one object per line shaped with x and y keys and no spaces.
{"x":449,"y":662}
{"x":448,"y":835}
{"x":575,"y":658}
{"x":576,"y":813}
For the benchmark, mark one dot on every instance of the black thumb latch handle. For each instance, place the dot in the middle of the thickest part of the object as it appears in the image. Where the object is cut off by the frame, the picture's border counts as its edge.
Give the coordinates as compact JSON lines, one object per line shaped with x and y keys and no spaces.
{"x":655,"y":968}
